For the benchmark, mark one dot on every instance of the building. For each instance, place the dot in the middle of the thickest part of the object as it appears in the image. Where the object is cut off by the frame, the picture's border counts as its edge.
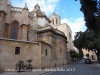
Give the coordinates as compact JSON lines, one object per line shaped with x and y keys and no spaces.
{"x":92,"y":54}
{"x":28,"y":35}
{"x":56,"y":23}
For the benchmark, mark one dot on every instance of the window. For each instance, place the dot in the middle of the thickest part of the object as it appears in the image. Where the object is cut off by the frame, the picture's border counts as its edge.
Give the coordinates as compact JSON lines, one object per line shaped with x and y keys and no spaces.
{"x":56,"y":21}
{"x":17,"y":50}
{"x":52,"y":21}
{"x":46,"y":52}
{"x":14,"y":32}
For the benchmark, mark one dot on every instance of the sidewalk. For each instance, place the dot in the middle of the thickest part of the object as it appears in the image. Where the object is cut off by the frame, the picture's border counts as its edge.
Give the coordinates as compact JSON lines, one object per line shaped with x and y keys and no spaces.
{"x":96,"y":63}
{"x":34,"y":72}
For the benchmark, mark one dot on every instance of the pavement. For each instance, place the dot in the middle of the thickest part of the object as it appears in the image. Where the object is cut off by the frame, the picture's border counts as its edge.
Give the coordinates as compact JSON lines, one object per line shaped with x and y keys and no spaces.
{"x":80,"y":68}
{"x":33,"y":72}
{"x":76,"y":67}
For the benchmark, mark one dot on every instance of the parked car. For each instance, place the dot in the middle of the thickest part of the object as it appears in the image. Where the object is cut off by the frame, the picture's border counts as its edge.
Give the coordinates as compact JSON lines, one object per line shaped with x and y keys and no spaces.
{"x":88,"y":61}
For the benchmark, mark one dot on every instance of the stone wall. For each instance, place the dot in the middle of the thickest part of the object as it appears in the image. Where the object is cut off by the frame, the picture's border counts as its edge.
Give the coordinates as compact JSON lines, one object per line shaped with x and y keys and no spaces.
{"x":58,"y":49}
{"x":28,"y":50}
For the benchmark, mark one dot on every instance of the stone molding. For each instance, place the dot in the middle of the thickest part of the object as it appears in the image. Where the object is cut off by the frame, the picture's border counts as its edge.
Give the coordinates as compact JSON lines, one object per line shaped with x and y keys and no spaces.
{"x":49,"y":28}
{"x":6,"y":39}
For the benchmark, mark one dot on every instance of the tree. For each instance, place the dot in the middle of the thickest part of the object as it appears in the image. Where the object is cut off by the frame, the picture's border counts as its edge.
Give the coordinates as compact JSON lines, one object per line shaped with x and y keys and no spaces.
{"x":88,"y":41}
{"x":91,"y":11}
{"x":29,"y":61}
{"x":20,"y":65}
{"x":78,"y":42}
{"x":74,"y":54}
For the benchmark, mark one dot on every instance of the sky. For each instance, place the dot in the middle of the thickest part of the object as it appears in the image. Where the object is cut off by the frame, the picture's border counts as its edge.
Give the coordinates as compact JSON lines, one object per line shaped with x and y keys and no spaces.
{"x":69,"y":11}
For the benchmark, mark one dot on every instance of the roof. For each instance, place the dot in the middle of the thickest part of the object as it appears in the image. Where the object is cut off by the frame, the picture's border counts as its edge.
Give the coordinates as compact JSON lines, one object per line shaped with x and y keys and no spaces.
{"x":39,"y":13}
{"x":51,"y":29}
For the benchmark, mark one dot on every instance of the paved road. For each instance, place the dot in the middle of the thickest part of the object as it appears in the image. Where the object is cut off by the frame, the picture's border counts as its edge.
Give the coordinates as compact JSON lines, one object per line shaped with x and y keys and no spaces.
{"x":79,"y":68}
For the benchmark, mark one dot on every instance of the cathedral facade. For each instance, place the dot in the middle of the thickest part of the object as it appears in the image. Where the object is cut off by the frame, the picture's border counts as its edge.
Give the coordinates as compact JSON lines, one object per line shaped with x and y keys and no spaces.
{"x":32,"y":35}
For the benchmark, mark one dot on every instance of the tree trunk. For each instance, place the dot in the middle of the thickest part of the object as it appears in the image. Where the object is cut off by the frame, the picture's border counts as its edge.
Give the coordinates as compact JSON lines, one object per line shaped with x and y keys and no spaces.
{"x":19,"y":68}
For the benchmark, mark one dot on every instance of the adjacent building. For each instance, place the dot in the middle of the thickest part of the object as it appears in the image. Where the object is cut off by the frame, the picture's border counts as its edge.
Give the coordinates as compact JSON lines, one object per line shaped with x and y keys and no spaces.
{"x":92,"y":54}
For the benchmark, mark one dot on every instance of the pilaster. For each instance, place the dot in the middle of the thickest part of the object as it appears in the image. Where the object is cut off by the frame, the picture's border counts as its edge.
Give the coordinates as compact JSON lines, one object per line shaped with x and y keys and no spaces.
{"x":24,"y":32}
{"x":2,"y":23}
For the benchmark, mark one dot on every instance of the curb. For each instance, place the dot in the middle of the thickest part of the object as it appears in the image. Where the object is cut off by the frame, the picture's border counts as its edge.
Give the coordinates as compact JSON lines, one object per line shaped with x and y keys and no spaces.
{"x":45,"y":73}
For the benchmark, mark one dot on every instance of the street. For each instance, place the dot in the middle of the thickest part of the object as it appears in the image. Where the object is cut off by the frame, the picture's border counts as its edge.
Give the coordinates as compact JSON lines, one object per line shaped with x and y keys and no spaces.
{"x":79,"y":68}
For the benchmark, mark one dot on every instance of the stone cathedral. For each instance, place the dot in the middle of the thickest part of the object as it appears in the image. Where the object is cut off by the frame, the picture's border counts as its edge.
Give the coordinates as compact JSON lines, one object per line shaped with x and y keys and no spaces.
{"x":32,"y":35}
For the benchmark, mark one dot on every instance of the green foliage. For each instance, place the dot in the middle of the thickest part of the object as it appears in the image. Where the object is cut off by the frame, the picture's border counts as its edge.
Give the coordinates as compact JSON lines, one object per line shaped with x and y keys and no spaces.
{"x":90,"y":39}
{"x":80,"y":53}
{"x":87,"y":40}
{"x":73,"y":53}
{"x":29,"y":60}
{"x":20,"y":65}
{"x":78,"y":38}
{"x":29,"y":65}
{"x":90,"y":11}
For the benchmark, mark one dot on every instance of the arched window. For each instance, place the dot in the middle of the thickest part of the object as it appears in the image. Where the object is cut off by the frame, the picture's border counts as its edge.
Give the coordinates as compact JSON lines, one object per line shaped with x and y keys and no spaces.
{"x":56,"y":21}
{"x":14,"y":32}
{"x":53,"y":21}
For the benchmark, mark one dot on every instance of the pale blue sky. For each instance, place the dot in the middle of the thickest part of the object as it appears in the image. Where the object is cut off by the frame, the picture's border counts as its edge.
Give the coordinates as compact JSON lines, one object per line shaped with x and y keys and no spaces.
{"x":71,"y":8}
{"x":69,"y":11}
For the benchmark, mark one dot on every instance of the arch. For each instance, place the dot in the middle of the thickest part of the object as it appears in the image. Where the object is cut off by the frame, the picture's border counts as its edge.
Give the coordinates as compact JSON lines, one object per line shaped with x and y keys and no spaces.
{"x":52,"y":21}
{"x":14,"y":29}
{"x":56,"y":21}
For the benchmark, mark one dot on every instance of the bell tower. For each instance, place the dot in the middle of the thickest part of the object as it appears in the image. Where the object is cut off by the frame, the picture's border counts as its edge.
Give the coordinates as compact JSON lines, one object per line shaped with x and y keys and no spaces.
{"x":3,"y":13}
{"x":55,"y":19}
